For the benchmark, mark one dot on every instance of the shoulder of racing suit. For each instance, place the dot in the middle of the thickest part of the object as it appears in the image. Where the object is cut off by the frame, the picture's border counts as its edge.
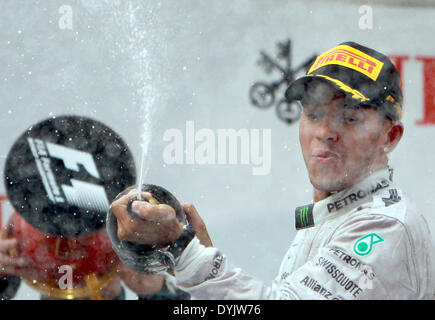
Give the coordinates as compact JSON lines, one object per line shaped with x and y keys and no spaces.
{"x":388,"y":238}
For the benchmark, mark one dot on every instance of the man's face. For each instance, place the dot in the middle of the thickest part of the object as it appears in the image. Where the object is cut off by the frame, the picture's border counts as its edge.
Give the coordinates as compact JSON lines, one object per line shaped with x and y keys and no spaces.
{"x":341,"y":141}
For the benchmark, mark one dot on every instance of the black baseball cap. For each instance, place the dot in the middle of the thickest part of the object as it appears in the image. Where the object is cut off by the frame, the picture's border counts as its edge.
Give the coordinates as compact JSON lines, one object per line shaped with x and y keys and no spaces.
{"x":367,"y":76}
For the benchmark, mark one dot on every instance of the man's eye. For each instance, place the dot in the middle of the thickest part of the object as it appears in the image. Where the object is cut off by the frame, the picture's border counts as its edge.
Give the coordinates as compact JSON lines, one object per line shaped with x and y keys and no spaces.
{"x":314,"y":116}
{"x":350,"y":119}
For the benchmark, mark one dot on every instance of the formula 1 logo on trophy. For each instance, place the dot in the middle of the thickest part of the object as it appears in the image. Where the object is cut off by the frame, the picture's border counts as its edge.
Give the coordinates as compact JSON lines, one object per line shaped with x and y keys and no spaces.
{"x":61,"y":175}
{"x":262,"y":94}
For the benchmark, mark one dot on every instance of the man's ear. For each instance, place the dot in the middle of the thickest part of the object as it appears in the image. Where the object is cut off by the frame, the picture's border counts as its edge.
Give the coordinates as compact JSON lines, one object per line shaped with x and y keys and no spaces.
{"x":394,"y":134}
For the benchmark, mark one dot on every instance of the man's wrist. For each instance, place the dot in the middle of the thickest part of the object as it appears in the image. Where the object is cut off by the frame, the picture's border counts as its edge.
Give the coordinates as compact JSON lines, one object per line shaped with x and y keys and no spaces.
{"x":182,"y":242}
{"x":173,"y":252}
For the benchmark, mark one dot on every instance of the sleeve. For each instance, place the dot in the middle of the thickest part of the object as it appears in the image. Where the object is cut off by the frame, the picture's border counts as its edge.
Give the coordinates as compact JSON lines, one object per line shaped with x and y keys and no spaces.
{"x":365,"y":258}
{"x":206,"y":274}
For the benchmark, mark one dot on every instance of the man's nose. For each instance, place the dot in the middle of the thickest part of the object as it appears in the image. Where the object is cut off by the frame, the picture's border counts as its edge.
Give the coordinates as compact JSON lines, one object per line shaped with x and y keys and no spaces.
{"x":328,"y":130}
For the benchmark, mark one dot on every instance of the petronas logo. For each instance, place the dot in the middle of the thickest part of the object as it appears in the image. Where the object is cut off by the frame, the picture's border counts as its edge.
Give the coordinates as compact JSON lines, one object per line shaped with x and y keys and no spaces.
{"x":364,"y":245}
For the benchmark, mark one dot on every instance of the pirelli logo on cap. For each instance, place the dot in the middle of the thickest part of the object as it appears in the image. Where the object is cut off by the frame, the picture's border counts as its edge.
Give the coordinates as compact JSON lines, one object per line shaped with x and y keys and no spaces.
{"x":351,"y":58}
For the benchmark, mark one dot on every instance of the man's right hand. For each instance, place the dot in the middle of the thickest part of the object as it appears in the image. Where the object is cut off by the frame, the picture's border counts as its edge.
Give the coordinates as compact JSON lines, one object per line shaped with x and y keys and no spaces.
{"x":159,"y":224}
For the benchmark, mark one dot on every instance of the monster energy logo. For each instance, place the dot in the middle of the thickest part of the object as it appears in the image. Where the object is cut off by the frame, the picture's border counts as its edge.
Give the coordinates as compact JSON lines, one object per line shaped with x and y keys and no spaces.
{"x":304,"y":217}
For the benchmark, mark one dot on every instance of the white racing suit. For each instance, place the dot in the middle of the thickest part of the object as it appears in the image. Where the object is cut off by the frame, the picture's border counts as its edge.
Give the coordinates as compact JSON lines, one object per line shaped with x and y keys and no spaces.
{"x":365,"y":242}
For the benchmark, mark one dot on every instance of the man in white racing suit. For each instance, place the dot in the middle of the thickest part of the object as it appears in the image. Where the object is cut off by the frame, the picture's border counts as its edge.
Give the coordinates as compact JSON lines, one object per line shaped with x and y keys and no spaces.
{"x":364,"y":242}
{"x":360,"y":238}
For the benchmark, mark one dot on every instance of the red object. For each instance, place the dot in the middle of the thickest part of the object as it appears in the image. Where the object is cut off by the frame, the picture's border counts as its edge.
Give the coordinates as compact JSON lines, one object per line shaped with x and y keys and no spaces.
{"x":398,"y":62}
{"x":91,"y":259}
{"x":429,"y":90}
